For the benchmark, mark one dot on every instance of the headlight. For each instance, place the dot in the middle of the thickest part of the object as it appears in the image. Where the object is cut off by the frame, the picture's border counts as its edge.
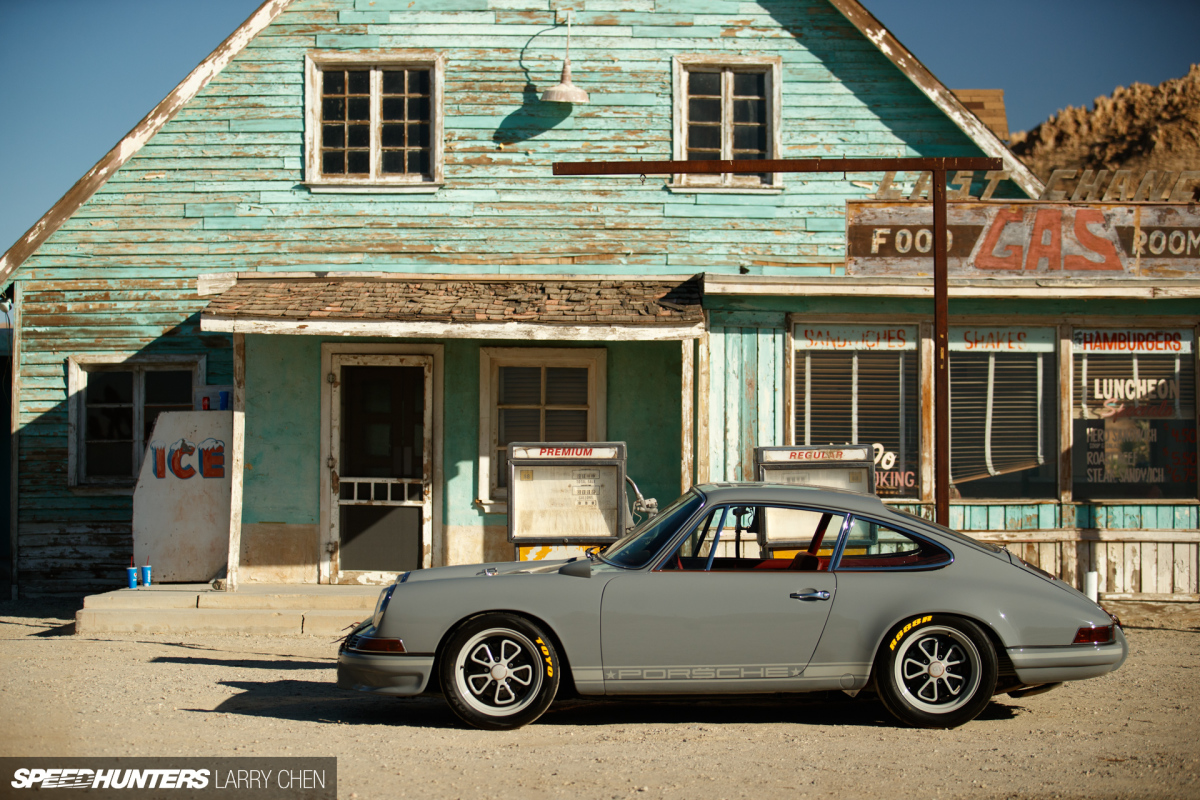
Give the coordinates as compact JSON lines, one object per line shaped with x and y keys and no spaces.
{"x":381,"y":604}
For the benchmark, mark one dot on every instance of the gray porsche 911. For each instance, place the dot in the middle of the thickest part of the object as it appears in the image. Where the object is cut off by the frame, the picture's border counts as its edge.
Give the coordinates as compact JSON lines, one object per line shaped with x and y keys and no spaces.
{"x":740,"y":588}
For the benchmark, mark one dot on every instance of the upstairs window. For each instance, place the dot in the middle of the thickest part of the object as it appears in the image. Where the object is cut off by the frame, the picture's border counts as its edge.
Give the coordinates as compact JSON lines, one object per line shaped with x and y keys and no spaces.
{"x":727,"y":109}
{"x":374,"y":121}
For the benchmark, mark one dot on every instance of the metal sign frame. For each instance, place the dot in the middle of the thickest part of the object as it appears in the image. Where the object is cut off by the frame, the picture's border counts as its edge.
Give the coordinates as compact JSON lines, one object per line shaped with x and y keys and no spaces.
{"x":850,"y":456}
{"x":580,"y":454}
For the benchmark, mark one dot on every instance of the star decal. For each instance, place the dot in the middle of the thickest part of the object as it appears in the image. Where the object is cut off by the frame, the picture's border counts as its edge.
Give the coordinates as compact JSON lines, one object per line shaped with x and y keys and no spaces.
{"x":796,"y":671}
{"x":611,"y":676}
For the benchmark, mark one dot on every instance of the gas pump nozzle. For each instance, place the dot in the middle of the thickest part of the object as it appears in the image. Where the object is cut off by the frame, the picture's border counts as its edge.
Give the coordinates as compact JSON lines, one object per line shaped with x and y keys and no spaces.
{"x":641,"y":505}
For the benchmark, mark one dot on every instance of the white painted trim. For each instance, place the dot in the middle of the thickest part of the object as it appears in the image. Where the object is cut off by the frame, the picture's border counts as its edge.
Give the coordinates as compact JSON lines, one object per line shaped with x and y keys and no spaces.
{"x":687,"y":414}
{"x":444,"y":277}
{"x":328,"y":350}
{"x":936,"y":91}
{"x":993,"y":290}
{"x":491,"y":499}
{"x":1087,"y":535}
{"x":543,"y":332}
{"x":145,"y":130}
{"x":14,"y":442}
{"x":773,"y":67}
{"x":237,"y":464}
{"x":375,"y":60}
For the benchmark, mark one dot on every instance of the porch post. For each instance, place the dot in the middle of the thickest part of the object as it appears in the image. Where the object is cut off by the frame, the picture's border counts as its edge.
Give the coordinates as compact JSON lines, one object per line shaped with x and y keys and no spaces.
{"x":687,"y":409}
{"x":238,"y":462}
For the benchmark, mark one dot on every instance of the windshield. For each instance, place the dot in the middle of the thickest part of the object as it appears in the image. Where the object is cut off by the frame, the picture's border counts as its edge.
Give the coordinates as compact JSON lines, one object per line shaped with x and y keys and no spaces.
{"x":636,"y":549}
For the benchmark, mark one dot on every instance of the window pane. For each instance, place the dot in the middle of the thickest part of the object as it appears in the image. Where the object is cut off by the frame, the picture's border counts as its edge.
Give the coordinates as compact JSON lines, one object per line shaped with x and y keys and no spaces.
{"x":393,"y":108}
{"x":870,"y":545}
{"x":333,"y":136}
{"x":360,"y":82}
{"x":418,"y":135}
{"x":520,"y":385}
{"x":359,"y":108}
{"x":750,"y":111}
{"x":706,"y":137}
{"x":393,"y":162}
{"x":393,"y":82}
{"x":704,"y":83}
{"x":360,"y":135}
{"x":109,"y":387}
{"x":704,"y":110}
{"x":359,"y":162}
{"x":750,"y":84}
{"x":1134,"y":420}
{"x":520,"y":425}
{"x":110,"y":424}
{"x":566,"y":426}
{"x":110,"y":460}
{"x":418,"y":108}
{"x":334,"y":82}
{"x":418,"y":162}
{"x":168,"y":387}
{"x":418,"y":81}
{"x":333,"y":108}
{"x":393,"y":135}
{"x":750,"y":138}
{"x":333,"y":162}
{"x":567,"y":386}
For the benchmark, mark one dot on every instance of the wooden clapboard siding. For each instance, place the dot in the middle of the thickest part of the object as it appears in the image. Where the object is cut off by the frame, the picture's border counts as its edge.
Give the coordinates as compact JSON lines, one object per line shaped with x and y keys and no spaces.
{"x":747,"y":385}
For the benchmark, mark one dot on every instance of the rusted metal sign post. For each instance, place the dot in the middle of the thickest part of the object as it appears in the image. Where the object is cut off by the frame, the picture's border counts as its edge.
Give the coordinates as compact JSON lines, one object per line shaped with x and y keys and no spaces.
{"x":938,"y":166}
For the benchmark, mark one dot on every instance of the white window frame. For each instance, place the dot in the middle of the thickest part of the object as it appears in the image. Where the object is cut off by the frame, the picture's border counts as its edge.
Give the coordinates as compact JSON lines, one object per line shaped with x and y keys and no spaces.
{"x":735,"y":184}
{"x":78,"y":368}
{"x":374,"y":60}
{"x":493,"y":499}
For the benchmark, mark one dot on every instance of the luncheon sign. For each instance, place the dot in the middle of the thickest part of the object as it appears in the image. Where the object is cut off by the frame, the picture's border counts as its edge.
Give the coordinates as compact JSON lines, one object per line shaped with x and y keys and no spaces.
{"x":1030,"y":239}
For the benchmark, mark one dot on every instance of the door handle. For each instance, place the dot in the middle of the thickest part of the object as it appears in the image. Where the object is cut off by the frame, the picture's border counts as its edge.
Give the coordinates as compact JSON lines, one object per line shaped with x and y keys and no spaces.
{"x":810,"y":594}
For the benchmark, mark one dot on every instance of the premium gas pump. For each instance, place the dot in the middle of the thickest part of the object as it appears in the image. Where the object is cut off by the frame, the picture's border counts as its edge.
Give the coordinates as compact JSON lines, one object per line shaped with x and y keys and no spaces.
{"x":566,"y":497}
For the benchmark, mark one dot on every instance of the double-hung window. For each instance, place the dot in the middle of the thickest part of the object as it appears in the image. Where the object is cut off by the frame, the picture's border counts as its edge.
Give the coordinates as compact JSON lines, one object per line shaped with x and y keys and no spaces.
{"x":727,"y":108}
{"x":1133,"y":414}
{"x":1003,"y":412}
{"x":536,"y":395}
{"x":374,"y":120}
{"x":112,"y":411}
{"x":857,"y":384}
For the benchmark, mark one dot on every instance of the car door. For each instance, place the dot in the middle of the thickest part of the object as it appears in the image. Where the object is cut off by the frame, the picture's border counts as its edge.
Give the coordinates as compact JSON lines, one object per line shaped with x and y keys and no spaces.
{"x":708,"y":622}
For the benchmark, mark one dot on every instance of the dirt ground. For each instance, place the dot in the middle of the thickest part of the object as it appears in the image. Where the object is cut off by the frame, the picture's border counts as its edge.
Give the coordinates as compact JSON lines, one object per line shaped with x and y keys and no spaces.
{"x":1130,"y":734}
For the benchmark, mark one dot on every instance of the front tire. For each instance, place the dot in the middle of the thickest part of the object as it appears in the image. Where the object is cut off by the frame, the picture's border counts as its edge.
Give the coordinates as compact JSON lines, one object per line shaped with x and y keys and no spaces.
{"x":935,"y":671}
{"x":499,"y":672}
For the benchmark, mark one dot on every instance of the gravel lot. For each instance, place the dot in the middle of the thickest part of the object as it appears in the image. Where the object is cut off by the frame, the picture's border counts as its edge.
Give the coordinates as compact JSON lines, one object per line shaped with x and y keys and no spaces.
{"x":1132,"y":734}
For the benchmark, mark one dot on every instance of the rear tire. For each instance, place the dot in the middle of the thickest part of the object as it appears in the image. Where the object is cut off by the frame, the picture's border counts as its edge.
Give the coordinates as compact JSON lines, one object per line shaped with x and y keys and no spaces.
{"x":936,"y":671}
{"x":499,"y":672}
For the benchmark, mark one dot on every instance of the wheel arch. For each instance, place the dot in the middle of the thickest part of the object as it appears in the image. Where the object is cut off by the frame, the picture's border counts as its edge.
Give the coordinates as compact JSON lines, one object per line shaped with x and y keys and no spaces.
{"x":566,"y":680}
{"x":1004,"y":664}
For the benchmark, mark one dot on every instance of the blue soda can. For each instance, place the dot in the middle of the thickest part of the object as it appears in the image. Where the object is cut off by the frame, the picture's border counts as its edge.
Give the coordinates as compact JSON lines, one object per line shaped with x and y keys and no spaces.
{"x":224,"y":397}
{"x":146,"y":575}
{"x":131,"y":573}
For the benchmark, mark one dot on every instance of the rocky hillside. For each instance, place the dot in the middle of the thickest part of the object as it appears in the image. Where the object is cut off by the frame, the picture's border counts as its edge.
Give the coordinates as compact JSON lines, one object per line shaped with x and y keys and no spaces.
{"x":1138,"y":128}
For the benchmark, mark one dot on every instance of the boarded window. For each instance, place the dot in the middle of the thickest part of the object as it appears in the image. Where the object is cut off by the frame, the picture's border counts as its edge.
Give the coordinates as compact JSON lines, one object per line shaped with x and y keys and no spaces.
{"x":1003,"y":401}
{"x":1133,"y":414}
{"x":857,"y":384}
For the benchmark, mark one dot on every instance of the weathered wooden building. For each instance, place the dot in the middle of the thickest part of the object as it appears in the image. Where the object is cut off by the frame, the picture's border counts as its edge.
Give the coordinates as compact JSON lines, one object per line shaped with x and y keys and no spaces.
{"x":347,"y":214}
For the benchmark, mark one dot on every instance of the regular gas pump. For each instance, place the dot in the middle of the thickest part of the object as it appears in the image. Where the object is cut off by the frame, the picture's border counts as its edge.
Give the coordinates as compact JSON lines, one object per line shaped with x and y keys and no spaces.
{"x":847,"y":467}
{"x":564,"y":498}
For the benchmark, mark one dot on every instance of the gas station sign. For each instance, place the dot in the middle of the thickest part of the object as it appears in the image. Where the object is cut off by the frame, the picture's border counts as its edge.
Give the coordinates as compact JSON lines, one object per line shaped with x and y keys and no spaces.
{"x":566,"y":493}
{"x":847,"y":467}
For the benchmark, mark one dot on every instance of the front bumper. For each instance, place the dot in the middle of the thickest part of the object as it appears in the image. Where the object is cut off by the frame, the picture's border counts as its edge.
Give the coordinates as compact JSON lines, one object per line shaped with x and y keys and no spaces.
{"x":382,"y":673}
{"x":1037,"y":665}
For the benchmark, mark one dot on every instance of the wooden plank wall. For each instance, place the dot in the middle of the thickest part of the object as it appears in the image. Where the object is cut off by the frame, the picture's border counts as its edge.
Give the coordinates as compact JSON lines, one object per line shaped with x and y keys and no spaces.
{"x":220,"y":188}
{"x":746,"y":390}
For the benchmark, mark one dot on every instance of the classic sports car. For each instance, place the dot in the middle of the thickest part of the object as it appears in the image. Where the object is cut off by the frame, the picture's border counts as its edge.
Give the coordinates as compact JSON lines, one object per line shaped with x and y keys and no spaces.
{"x":740,"y":588}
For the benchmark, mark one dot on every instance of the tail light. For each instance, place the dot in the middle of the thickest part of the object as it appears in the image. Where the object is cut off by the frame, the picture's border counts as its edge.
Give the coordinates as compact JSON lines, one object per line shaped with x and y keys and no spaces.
{"x":366,"y":644}
{"x":1090,"y":635}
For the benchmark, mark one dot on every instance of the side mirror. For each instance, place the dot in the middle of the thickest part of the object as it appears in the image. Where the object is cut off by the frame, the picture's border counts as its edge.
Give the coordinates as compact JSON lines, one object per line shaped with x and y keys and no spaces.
{"x":580,"y":568}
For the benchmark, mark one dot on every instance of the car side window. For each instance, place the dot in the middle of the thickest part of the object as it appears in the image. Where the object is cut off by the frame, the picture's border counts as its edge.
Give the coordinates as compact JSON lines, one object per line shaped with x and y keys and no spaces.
{"x":871,"y":545}
{"x":728,"y":539}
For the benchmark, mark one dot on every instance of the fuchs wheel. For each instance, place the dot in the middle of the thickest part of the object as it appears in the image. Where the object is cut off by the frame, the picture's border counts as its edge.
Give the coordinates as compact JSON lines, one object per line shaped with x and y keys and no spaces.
{"x":499,"y":671}
{"x":936,"y":671}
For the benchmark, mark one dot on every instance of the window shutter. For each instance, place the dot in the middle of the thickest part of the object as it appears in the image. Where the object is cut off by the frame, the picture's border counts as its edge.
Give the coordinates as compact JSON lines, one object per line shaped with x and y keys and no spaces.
{"x":996,"y":422}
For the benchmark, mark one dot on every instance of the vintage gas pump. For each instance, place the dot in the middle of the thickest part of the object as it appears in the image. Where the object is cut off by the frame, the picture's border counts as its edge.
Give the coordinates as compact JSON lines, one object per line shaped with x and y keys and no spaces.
{"x":847,"y":467}
{"x":566,"y":497}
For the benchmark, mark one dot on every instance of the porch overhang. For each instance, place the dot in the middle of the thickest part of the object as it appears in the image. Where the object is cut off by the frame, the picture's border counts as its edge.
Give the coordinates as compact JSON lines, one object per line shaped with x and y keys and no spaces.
{"x":540,"y":308}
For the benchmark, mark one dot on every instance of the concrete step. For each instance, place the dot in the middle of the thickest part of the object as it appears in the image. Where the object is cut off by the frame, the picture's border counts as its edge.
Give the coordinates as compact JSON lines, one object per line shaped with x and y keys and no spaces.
{"x":253,"y":609}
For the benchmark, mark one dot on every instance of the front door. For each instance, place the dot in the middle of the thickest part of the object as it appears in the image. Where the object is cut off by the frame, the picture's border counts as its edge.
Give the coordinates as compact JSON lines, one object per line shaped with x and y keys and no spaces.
{"x":380,"y":466}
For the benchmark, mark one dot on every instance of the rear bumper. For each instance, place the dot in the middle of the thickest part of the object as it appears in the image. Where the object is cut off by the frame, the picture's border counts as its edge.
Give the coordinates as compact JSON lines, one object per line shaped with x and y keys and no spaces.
{"x":1037,"y":665}
{"x":384,"y":674}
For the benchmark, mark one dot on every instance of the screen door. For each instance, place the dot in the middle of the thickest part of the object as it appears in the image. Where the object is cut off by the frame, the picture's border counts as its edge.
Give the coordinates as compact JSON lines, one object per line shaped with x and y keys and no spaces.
{"x":380,"y":465}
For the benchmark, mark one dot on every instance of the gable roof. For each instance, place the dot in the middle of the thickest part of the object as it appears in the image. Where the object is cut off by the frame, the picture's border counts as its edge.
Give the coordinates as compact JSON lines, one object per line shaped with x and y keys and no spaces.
{"x":225,"y":52}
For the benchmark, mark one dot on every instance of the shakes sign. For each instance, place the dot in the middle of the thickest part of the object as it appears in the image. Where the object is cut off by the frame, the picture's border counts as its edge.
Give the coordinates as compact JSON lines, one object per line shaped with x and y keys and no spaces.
{"x":1026,"y":239}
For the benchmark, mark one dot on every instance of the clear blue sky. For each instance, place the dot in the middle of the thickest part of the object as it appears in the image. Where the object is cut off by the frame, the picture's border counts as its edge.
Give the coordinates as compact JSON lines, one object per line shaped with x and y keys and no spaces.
{"x":78,"y":74}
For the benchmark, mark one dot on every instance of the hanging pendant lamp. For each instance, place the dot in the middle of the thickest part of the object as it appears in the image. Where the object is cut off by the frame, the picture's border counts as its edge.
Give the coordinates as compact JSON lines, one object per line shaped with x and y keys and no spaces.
{"x":565,"y":91}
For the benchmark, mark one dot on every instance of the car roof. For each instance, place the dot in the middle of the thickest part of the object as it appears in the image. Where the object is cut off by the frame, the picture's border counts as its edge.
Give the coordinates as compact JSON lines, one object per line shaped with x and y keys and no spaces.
{"x":762,"y":492}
